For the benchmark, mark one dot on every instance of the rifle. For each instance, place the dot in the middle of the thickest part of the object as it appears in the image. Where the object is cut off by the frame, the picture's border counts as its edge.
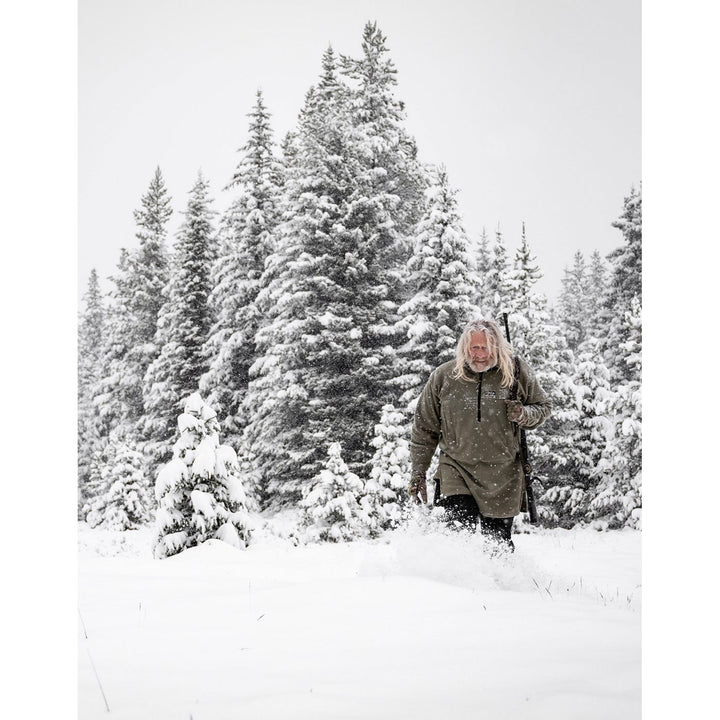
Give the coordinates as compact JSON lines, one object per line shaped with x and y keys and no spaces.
{"x":529,"y":499}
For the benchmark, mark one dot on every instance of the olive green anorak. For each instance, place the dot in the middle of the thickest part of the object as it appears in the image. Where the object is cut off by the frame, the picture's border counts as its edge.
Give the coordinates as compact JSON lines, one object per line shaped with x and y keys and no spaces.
{"x":479,"y":446}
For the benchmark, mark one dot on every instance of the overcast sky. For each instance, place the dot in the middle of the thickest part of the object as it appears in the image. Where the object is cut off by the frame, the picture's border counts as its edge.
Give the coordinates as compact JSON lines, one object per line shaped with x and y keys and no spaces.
{"x":534,"y":106}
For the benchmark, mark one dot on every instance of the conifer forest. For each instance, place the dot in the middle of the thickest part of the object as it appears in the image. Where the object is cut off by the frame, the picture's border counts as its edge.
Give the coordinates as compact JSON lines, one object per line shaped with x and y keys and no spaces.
{"x":269,"y":357}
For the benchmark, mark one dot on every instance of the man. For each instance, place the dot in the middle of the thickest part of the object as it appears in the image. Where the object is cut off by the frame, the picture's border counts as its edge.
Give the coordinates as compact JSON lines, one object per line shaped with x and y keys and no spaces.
{"x":466,"y":408}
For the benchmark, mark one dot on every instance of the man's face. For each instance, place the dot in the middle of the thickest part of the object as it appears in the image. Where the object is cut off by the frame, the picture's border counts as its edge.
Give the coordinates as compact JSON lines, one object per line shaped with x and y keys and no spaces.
{"x":479,"y":356}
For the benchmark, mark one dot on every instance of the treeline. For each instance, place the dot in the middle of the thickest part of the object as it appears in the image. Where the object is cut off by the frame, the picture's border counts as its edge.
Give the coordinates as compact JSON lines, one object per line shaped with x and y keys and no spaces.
{"x":309,"y":315}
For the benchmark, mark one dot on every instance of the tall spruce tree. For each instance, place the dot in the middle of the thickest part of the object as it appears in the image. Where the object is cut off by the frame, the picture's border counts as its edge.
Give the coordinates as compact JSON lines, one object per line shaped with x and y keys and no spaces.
{"x":246,"y":240}
{"x":481,"y":268}
{"x":624,"y":287}
{"x":597,"y":290}
{"x":332,"y":287}
{"x":385,"y":153}
{"x":583,"y":293}
{"x":149,"y":267}
{"x":574,"y":302}
{"x":136,"y":299}
{"x":594,"y":399}
{"x":383,"y":208}
{"x":539,"y":341}
{"x":440,"y":277}
{"x":498,"y":286}
{"x":300,"y":398}
{"x":90,"y":343}
{"x":618,"y":498}
{"x":116,"y":398}
{"x":527,"y":272}
{"x":183,"y":326}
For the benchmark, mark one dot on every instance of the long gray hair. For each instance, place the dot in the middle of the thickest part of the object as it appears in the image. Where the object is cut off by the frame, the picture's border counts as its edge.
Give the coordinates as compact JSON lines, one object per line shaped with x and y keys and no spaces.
{"x":500,"y":350}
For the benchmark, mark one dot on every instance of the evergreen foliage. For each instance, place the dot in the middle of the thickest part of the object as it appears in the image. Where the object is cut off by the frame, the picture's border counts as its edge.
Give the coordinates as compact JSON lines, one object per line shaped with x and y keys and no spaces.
{"x":246,"y":240}
{"x":385,"y":204}
{"x":132,"y":320}
{"x":582,"y":296}
{"x":149,"y":268}
{"x":301,"y":394}
{"x":385,"y":498}
{"x":574,"y":304}
{"x":340,"y":277}
{"x":482,"y":265}
{"x":183,"y":326}
{"x":90,"y":339}
{"x":440,"y":277}
{"x":498,"y":285}
{"x":540,"y":342}
{"x":597,"y":290}
{"x":618,"y":495}
{"x":118,"y":397}
{"x":624,"y":288}
{"x":327,"y":349}
{"x":330,"y":503}
{"x":119,"y":499}
{"x":199,"y":492}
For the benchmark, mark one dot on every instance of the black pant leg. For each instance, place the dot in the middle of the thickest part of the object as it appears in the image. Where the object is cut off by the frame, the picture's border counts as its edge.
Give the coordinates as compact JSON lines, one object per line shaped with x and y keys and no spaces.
{"x":499,"y":529}
{"x":461,"y":511}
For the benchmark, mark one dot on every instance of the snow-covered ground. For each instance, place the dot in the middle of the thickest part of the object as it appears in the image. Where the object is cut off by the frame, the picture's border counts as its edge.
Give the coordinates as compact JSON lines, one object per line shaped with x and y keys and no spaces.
{"x":420,"y":624}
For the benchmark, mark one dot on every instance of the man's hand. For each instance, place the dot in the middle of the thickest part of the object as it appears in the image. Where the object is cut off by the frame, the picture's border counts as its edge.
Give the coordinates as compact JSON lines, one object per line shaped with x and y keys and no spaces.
{"x":515,"y":410}
{"x":418,"y":488}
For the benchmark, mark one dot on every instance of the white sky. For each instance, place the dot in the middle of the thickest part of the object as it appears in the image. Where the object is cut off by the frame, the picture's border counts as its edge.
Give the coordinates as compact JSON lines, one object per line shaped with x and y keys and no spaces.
{"x":534,"y":106}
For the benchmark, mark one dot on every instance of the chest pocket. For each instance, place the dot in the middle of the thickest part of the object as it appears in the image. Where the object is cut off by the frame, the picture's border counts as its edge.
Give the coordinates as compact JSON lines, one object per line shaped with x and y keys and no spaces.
{"x":501,"y":394}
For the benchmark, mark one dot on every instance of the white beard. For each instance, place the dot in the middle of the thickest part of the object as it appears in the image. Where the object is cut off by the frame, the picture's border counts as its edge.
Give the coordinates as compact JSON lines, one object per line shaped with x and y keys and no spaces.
{"x":478,"y":367}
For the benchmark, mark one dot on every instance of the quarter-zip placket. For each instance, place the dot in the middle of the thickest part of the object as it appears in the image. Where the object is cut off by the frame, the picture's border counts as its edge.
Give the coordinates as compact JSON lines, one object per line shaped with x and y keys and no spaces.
{"x":480,"y":397}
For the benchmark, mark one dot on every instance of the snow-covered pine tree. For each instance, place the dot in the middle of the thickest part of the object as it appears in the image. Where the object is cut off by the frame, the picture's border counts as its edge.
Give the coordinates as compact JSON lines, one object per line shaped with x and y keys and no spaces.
{"x":386,"y":154}
{"x":131,"y":318}
{"x":583,"y":294}
{"x":199,"y":493}
{"x":90,"y":340}
{"x":383,"y":207}
{"x":618,"y":495}
{"x":574,"y":302}
{"x":333,"y":286}
{"x":330,"y":503}
{"x":120,"y":500}
{"x":541,"y":343}
{"x":618,"y":498}
{"x":183,"y":326}
{"x":95,"y":489}
{"x":116,"y":397}
{"x":288,"y":149}
{"x":246,"y":240}
{"x":498,"y":287}
{"x":524,"y":276}
{"x":594,"y":399}
{"x":149,"y":268}
{"x":482,"y":263}
{"x":132,"y":322}
{"x":440,"y":278}
{"x":624,"y":288}
{"x":385,"y":495}
{"x":149,"y":271}
{"x":301,"y":396}
{"x":597,"y":290}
